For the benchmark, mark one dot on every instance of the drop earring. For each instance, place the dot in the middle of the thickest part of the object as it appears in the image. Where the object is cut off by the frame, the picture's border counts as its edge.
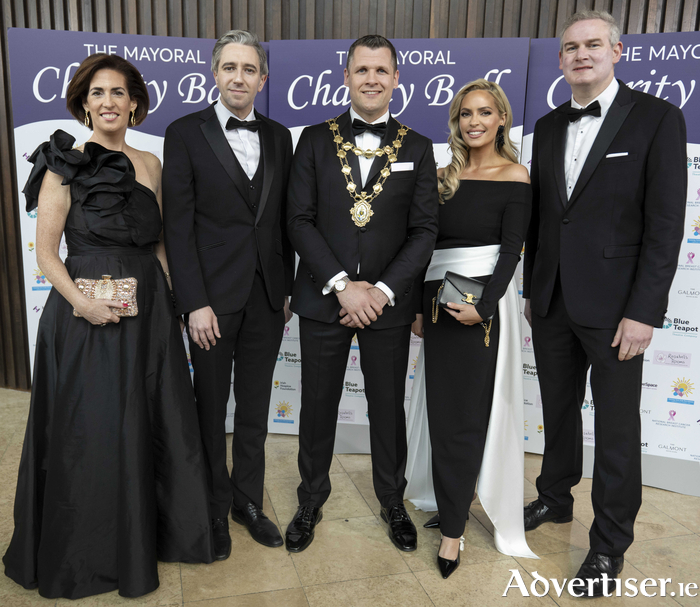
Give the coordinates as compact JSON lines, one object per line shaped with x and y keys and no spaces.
{"x":500,"y":139}
{"x":133,"y":117}
{"x":87,"y":119}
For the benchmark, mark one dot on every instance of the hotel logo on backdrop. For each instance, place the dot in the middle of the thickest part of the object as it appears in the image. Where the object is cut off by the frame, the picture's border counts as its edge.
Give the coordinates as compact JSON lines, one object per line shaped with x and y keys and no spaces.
{"x":691,"y":293}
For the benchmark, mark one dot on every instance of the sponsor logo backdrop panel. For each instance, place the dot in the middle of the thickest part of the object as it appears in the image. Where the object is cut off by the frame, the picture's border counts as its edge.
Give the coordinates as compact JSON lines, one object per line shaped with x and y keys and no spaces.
{"x":178,"y":76}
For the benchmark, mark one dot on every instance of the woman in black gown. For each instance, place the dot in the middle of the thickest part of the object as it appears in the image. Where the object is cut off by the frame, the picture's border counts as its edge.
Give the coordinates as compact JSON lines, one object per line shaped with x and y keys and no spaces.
{"x":485,"y":211}
{"x":111,"y":477}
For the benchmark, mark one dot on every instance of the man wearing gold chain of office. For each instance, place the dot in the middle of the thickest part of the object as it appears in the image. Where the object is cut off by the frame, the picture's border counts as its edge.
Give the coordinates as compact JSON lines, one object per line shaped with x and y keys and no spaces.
{"x":362,"y":210}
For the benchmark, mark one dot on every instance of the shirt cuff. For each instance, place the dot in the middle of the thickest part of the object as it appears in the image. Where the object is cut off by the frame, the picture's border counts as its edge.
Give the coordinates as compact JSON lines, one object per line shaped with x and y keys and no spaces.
{"x":329,"y":285}
{"x":387,"y":291}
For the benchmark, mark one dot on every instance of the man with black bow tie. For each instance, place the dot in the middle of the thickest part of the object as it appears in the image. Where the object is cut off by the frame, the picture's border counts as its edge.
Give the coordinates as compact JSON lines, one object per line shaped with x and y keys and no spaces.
{"x":609,"y":189}
{"x":364,"y":226}
{"x":224,"y":199}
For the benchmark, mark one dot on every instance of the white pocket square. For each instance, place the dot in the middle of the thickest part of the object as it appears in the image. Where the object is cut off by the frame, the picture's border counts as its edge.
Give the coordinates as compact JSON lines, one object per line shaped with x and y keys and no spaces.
{"x":617,"y":154}
{"x":401,"y":166}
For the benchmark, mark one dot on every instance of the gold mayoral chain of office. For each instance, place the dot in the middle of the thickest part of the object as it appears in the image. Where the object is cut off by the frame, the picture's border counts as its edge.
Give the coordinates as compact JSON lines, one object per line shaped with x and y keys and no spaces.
{"x":362,"y":209}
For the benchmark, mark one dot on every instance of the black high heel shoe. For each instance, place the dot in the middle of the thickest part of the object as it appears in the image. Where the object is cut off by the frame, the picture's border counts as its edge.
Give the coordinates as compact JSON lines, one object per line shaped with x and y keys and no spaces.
{"x":446,"y":566}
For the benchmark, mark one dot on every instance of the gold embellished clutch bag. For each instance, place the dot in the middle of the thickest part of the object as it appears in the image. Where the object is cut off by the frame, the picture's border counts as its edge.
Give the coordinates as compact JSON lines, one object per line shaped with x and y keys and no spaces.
{"x":121,"y":289}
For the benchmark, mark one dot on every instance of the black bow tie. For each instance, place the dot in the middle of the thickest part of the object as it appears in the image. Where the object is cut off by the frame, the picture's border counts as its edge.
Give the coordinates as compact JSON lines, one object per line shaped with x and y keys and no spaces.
{"x":234,"y":123}
{"x":575,"y":114}
{"x":359,"y":127}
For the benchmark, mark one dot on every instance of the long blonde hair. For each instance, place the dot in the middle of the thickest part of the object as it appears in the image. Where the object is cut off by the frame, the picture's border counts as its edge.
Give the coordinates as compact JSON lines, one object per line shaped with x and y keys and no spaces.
{"x":449,"y":184}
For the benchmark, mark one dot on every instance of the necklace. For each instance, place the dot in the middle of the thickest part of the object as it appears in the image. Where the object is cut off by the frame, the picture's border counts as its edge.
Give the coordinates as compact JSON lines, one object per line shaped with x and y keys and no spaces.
{"x":361,"y":211}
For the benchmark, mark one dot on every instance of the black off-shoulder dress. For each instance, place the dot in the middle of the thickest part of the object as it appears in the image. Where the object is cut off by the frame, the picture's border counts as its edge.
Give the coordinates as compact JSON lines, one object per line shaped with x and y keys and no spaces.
{"x":111,"y":477}
{"x":459,"y":369}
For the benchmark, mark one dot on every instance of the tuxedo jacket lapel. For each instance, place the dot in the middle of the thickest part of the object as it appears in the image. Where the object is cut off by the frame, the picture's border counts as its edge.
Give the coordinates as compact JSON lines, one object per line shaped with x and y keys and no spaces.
{"x":561,"y":124}
{"x":267,"y":157}
{"x":614,"y":119}
{"x":211,"y":129}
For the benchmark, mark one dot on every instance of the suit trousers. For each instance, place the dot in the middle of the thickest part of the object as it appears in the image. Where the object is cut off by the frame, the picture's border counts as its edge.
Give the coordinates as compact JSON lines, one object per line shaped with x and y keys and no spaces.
{"x":564,"y":350}
{"x":251,"y":339}
{"x":459,"y":380}
{"x":384,"y":362}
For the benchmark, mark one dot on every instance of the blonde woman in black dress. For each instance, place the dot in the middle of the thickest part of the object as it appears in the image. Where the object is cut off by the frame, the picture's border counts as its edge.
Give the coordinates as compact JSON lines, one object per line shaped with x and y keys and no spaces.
{"x":473,"y":373}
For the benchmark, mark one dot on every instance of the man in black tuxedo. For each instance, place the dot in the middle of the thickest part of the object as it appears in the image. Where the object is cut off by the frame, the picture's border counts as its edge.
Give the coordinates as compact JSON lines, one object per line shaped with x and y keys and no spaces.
{"x":364,"y":226}
{"x":224,"y":189}
{"x":609,"y":183}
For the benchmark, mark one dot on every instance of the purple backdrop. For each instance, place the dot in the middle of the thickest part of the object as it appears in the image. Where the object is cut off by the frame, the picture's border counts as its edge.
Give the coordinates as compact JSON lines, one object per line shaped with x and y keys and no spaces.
{"x":664,"y":65}
{"x":307,"y":78}
{"x":308,"y":85}
{"x":176,"y":70}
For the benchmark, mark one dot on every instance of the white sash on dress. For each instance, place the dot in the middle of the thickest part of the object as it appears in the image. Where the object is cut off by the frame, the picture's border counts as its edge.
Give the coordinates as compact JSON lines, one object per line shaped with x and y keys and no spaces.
{"x":500,"y":484}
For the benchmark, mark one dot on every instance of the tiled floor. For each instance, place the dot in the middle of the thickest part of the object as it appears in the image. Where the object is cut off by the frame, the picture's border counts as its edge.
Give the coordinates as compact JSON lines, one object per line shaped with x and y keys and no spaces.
{"x":352,"y":562}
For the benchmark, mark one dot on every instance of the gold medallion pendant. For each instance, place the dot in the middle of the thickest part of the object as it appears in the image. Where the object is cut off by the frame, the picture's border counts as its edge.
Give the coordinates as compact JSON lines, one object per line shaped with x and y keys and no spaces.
{"x":361,"y":211}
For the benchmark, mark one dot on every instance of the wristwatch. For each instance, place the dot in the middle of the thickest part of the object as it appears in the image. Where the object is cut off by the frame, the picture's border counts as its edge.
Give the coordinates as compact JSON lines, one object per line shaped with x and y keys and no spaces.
{"x":340,"y":284}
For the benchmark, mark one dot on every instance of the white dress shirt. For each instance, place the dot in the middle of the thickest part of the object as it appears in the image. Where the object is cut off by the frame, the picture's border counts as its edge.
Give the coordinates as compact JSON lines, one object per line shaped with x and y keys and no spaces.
{"x":365,"y":141}
{"x":581,"y":134}
{"x":244,"y":143}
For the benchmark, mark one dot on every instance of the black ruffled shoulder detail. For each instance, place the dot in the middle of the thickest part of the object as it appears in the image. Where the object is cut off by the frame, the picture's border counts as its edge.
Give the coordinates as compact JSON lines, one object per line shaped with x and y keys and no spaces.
{"x":103,"y":183}
{"x":96,"y":168}
{"x":57,"y":153}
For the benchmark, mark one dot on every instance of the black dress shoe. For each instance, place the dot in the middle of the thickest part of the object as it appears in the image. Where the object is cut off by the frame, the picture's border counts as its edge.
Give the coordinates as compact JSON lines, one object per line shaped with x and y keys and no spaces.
{"x":537,"y":513}
{"x":222,"y":539}
{"x":300,"y":532}
{"x":434,"y":523}
{"x":592,"y":570}
{"x":402,"y":531}
{"x":261,"y":528}
{"x":446,"y":566}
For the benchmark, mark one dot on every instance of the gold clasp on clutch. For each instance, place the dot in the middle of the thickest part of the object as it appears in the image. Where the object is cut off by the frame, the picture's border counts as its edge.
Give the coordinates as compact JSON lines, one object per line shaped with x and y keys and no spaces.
{"x":468,"y":298}
{"x":104,"y":289}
